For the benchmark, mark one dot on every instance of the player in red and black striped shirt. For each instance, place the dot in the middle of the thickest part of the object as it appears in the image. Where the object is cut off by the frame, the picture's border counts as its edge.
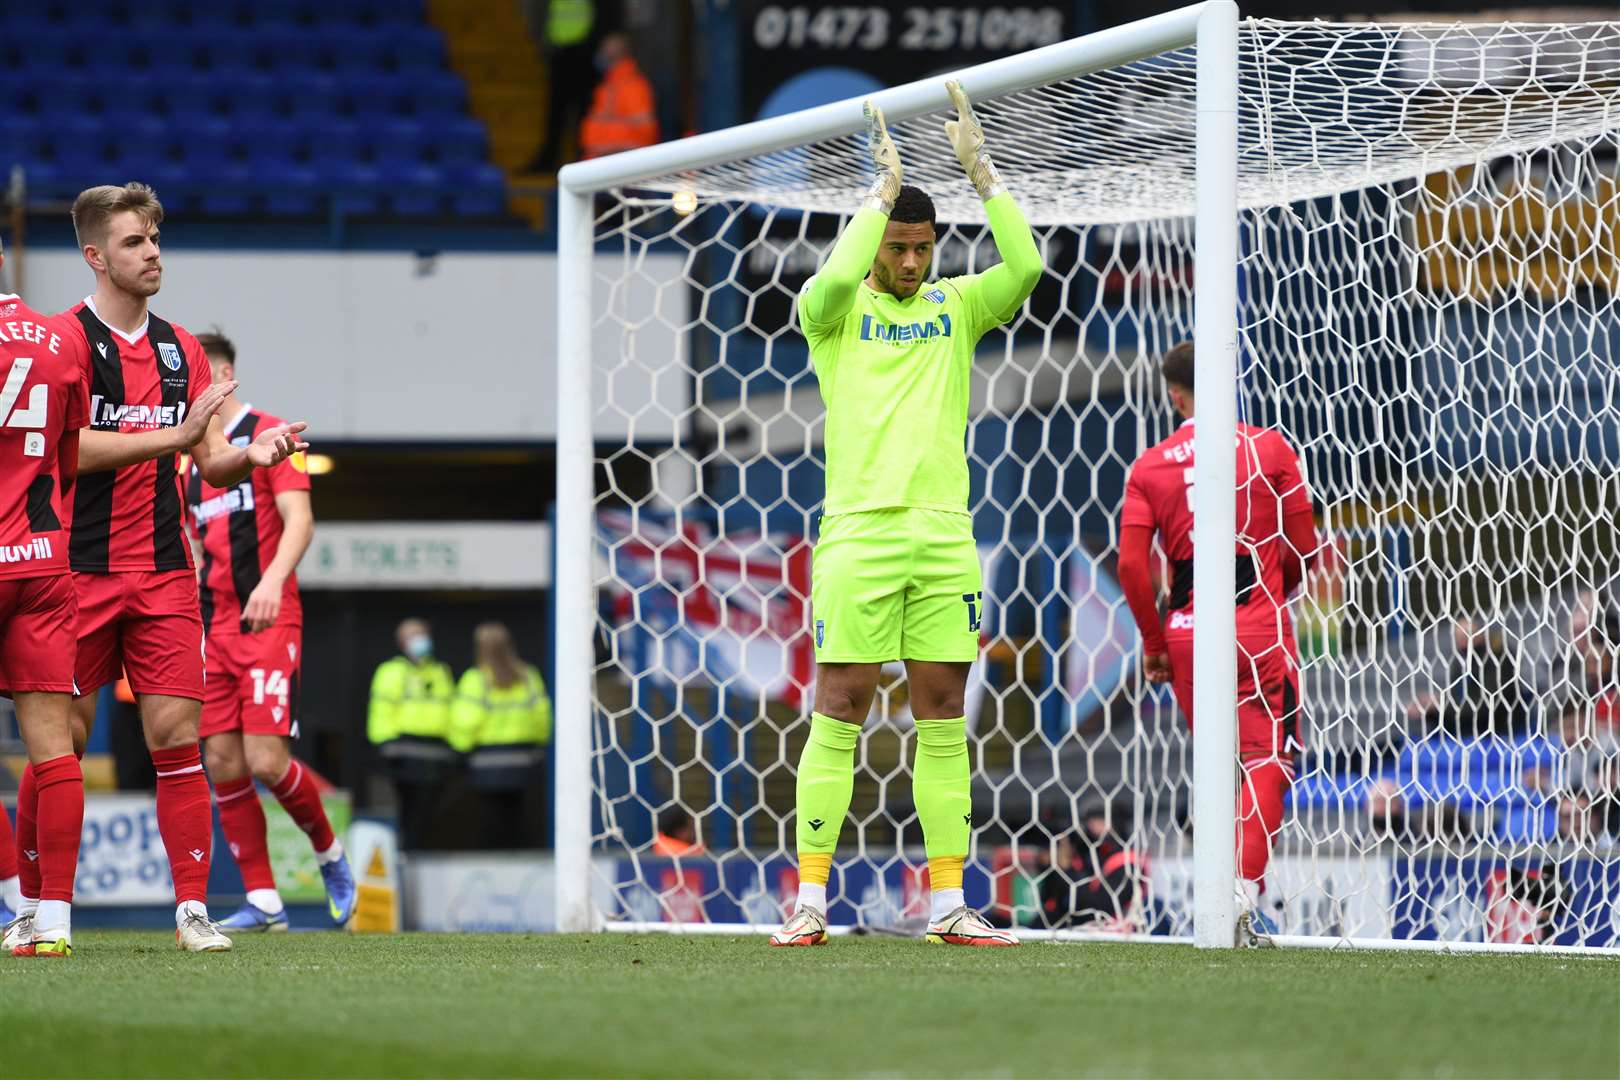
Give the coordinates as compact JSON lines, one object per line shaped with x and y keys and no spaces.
{"x":252,"y":536}
{"x":150,"y":397}
{"x":42,"y":407}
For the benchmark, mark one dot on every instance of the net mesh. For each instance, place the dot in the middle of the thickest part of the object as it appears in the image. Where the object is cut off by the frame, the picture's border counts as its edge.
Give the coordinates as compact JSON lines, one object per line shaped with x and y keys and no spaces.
{"x":1430,"y":249}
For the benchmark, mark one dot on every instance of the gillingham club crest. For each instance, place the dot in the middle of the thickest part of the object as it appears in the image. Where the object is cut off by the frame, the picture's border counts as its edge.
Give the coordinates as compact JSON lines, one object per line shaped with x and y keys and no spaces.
{"x":170,"y":355}
{"x":821,"y":633}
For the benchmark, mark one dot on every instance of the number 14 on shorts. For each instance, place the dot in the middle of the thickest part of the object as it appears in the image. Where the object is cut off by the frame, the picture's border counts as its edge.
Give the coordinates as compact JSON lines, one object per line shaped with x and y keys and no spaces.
{"x":975,"y":609}
{"x":268,"y":684}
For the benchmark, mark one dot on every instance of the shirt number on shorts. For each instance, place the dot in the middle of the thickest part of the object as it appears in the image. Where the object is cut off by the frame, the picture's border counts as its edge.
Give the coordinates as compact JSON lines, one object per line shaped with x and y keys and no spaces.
{"x":33,"y":416}
{"x":268,"y":684}
{"x":975,"y":606}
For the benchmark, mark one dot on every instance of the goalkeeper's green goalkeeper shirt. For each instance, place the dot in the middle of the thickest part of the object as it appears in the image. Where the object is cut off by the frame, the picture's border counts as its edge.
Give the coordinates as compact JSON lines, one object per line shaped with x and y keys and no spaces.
{"x":894,"y":373}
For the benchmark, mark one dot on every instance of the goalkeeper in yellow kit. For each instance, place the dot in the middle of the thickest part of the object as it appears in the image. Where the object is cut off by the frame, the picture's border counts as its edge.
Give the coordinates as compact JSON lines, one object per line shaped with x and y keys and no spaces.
{"x":896,"y":574}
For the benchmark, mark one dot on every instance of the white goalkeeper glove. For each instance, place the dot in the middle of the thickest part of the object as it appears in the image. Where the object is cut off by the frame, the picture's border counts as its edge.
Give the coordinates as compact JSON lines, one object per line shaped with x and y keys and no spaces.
{"x":967,"y":139}
{"x":885,"y":159}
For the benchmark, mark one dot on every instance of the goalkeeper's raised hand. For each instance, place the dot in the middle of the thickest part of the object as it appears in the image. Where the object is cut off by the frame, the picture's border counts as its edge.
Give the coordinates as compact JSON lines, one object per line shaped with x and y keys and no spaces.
{"x":967,"y":139}
{"x":885,"y":160}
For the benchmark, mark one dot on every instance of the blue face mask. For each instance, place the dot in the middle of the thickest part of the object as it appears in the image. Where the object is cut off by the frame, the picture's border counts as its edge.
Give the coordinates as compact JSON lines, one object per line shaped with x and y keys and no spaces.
{"x":419,"y":647}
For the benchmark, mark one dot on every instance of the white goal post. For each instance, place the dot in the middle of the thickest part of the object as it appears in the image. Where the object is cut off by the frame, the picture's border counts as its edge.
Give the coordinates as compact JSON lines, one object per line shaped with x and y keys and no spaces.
{"x":1309,"y":184}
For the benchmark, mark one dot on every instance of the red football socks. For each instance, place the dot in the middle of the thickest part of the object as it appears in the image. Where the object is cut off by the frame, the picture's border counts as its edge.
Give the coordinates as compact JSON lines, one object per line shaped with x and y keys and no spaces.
{"x":1262,"y":784}
{"x":241,"y":815}
{"x":8,"y":848}
{"x":59,"y":799}
{"x":297,"y":795}
{"x":184,"y":820}
{"x":28,"y":833}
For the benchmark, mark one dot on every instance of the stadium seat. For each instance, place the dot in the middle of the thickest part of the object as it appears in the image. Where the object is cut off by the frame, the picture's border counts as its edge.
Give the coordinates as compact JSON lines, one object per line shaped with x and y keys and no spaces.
{"x":318,"y":95}
{"x":77,"y":143}
{"x":38,"y":45}
{"x":351,"y":49}
{"x":434,"y":96}
{"x":291,"y":191}
{"x":256,"y":98}
{"x":25,"y":12}
{"x":284,"y":13}
{"x":476,"y":190}
{"x":462,"y":141}
{"x":64,"y":95}
{"x":20,"y":143}
{"x":374,"y":95}
{"x":417,"y":49}
{"x":197,"y":94}
{"x":396,"y":142}
{"x":354,"y":188}
{"x":226,"y":14}
{"x":285,"y":50}
{"x":415,"y":191}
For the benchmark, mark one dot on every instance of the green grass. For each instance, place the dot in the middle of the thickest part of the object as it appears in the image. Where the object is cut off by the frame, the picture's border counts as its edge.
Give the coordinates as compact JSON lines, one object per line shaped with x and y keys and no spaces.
{"x":488,"y":1005}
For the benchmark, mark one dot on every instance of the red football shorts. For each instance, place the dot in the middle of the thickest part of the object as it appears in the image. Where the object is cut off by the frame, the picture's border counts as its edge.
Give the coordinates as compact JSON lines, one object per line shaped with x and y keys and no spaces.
{"x":253,"y":682}
{"x":1267,"y":695}
{"x":149,"y":624}
{"x":38,"y":634}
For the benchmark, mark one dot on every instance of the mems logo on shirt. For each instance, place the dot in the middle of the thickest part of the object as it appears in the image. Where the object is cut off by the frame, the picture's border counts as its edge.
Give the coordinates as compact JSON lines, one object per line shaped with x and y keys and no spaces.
{"x":873,"y":329}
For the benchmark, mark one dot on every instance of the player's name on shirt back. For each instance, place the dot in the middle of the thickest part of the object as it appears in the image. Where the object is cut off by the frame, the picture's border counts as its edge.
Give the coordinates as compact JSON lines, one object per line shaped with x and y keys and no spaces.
{"x":42,"y":398}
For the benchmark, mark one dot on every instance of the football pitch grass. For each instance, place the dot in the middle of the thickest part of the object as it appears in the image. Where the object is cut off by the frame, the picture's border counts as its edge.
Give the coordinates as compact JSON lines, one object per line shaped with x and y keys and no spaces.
{"x":129,"y":1005}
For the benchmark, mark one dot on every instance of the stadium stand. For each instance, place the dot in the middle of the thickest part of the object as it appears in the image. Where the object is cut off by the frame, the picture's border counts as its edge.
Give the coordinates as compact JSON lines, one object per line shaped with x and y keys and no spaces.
{"x":278,"y":107}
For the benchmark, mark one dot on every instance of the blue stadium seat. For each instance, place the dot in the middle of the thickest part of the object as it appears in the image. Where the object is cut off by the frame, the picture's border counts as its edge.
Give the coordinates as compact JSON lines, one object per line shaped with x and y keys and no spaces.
{"x":292,"y":190}
{"x":20,"y":143}
{"x":227,"y":189}
{"x":415,"y":190}
{"x":39,"y":46}
{"x":287,"y":12}
{"x":176,"y":50}
{"x":257,"y":98}
{"x":436,"y":95}
{"x":23,"y":12}
{"x":190,"y":94}
{"x":277,"y":142}
{"x":354,"y":49}
{"x":374,"y":95}
{"x":316,"y":95}
{"x":353,"y":187}
{"x":416,"y":49}
{"x":284,"y":49}
{"x":462,"y":141}
{"x":204,"y":142}
{"x":67,"y":94}
{"x":396,"y":142}
{"x":332,"y":139}
{"x":476,"y":190}
{"x":223,"y":14}
{"x":78,"y":144}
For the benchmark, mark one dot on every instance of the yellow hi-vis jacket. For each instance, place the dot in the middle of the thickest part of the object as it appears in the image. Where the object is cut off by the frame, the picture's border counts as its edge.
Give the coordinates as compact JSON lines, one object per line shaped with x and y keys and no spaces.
{"x":489,"y":715}
{"x":410,"y":699}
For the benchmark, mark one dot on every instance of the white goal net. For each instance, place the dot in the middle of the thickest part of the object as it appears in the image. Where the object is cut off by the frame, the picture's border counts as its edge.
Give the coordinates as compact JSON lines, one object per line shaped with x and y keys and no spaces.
{"x":1429,"y":264}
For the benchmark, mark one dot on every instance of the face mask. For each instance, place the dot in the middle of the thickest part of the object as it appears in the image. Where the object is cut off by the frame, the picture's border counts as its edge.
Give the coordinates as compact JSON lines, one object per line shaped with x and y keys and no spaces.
{"x":419,"y":646}
{"x":603,"y":63}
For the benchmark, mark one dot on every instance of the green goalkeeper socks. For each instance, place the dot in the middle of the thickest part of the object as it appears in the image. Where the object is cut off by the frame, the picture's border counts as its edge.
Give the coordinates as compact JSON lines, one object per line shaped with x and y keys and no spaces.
{"x":940,"y":788}
{"x":826,"y":782}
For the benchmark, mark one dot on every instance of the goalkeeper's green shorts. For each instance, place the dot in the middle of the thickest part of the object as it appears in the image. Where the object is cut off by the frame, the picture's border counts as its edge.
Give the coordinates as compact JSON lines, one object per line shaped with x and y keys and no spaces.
{"x":896,"y":584}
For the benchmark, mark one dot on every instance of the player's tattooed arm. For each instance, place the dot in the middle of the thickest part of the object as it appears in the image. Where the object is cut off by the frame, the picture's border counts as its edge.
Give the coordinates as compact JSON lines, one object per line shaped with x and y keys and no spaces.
{"x":103,"y":450}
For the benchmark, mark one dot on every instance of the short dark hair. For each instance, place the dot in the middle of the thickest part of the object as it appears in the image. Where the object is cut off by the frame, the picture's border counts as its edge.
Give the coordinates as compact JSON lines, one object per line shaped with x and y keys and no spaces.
{"x":1177,"y":366}
{"x":215,"y":343}
{"x":912,"y":206}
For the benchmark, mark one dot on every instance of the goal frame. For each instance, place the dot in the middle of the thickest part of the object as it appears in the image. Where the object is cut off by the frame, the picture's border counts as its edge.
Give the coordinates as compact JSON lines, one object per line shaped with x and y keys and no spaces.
{"x":1212,"y":27}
